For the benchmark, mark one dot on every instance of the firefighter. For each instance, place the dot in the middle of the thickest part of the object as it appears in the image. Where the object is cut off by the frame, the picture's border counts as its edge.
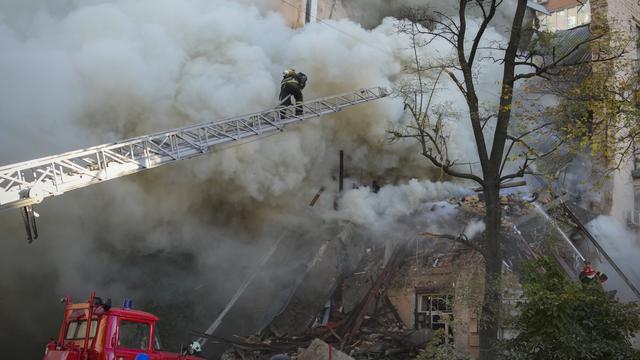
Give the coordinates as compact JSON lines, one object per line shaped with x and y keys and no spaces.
{"x":292,"y":84}
{"x":589,"y":276}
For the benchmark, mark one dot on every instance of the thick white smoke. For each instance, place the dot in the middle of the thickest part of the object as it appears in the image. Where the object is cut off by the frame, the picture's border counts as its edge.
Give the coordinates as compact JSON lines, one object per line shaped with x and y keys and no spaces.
{"x":371,"y":12}
{"x":474,"y":229}
{"x":381,"y":210}
{"x":623,"y":246}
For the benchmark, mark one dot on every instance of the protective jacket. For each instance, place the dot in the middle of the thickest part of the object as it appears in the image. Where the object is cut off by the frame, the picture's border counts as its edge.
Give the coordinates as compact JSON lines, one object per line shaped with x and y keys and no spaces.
{"x":292,"y":84}
{"x":298,"y":80}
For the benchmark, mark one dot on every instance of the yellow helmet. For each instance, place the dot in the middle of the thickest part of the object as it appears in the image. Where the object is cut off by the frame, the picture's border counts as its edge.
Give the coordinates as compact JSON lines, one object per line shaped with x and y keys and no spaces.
{"x":288,"y":72}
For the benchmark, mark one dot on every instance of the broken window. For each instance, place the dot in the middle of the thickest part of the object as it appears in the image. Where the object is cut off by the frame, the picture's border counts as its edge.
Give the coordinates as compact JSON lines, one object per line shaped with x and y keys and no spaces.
{"x":435,"y":311}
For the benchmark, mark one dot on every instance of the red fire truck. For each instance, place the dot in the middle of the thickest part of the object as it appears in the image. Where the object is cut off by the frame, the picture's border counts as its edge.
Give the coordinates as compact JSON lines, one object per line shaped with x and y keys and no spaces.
{"x":94,"y":330}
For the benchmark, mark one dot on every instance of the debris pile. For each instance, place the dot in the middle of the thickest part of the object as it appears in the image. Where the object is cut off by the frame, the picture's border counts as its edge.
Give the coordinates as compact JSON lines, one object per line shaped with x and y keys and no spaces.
{"x":359,"y":300}
{"x":359,"y":322}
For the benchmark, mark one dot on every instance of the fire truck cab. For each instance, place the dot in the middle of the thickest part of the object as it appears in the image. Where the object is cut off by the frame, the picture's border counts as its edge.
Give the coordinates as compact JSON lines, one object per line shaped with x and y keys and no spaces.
{"x":95,"y":331}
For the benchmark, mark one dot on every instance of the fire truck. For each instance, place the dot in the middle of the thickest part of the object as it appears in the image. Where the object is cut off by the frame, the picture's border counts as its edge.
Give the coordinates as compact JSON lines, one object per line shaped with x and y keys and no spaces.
{"x":94,"y":330}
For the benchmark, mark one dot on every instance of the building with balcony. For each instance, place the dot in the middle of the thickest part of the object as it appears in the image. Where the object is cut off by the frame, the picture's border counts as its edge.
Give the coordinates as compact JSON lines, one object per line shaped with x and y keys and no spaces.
{"x":623,"y":16}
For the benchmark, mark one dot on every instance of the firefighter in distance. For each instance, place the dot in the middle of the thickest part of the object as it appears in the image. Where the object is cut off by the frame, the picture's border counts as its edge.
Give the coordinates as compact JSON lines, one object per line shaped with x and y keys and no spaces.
{"x":590,"y":276}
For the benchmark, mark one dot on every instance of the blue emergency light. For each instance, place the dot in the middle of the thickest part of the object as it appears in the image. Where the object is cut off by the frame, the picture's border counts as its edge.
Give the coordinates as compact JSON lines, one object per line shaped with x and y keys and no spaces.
{"x":127,"y":304}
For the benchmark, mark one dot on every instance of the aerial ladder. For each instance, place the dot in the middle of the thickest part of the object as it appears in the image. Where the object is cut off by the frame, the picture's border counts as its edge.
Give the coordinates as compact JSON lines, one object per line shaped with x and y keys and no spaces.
{"x":24,"y":184}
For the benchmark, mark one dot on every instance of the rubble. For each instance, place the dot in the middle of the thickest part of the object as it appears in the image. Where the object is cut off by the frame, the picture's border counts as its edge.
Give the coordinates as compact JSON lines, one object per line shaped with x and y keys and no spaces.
{"x":320,"y":350}
{"x":387,"y":305}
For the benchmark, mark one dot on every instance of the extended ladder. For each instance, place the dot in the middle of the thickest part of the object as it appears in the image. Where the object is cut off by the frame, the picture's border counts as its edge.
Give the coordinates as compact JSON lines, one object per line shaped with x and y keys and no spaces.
{"x":27,"y":183}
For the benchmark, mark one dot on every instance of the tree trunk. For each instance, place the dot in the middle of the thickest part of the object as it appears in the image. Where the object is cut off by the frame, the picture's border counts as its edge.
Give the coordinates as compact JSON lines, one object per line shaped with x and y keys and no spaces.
{"x":489,"y":319}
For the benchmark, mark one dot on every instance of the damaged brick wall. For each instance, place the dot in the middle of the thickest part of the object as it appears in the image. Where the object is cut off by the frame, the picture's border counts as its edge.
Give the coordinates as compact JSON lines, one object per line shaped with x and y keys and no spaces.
{"x":459,"y":274}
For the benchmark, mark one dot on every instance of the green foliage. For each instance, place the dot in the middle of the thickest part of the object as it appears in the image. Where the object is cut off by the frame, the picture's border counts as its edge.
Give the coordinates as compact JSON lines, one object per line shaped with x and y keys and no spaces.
{"x":600,"y":113}
{"x":564,"y":320}
{"x":438,"y":349}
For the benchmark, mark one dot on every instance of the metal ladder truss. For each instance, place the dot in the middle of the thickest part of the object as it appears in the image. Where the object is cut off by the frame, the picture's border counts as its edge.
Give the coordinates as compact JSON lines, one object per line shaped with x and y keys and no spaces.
{"x":27,"y":183}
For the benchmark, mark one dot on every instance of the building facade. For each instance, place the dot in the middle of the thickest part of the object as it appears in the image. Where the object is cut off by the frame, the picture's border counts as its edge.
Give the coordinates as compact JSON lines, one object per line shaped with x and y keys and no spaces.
{"x":442,"y":291}
{"x":623,"y":16}
{"x":297,"y":13}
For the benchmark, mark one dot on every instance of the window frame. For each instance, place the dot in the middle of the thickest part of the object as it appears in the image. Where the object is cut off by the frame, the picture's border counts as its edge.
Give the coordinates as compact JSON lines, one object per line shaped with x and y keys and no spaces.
{"x":80,"y":331}
{"x":430,"y":310}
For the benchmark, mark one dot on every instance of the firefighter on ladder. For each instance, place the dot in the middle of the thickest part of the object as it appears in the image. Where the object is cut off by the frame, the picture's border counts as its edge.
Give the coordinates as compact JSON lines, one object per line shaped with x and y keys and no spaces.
{"x":292,"y":84}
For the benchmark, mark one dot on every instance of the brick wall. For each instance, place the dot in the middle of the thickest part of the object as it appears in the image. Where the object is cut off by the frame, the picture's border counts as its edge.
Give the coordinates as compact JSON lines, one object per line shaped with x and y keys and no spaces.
{"x":459,"y":274}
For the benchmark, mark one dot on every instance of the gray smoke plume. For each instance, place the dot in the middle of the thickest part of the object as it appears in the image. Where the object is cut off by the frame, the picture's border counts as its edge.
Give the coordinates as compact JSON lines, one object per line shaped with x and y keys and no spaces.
{"x":182,"y":237}
{"x":371,"y":12}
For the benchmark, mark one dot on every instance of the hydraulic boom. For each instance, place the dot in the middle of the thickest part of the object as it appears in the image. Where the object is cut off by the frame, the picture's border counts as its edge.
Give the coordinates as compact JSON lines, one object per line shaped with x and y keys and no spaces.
{"x":30,"y":182}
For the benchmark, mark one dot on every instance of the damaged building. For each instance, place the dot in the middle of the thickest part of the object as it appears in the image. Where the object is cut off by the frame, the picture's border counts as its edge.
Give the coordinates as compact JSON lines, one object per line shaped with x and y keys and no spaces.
{"x":385,"y":301}
{"x":309,"y":283}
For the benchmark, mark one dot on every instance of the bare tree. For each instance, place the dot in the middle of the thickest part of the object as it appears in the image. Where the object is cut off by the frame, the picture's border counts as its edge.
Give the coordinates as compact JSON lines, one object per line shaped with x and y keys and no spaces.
{"x":503,"y":147}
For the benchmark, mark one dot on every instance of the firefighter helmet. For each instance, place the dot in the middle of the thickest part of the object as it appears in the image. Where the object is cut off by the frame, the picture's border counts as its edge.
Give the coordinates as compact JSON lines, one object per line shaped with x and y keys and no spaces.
{"x":289,"y":72}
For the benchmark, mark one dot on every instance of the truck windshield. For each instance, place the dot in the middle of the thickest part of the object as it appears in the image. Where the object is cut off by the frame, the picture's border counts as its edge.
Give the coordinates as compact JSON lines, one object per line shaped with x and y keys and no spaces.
{"x":78,"y":328}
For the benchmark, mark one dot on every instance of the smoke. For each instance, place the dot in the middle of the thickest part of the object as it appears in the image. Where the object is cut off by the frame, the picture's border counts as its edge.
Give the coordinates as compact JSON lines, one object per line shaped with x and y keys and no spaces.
{"x":623,"y":246}
{"x":474,"y":229}
{"x":78,"y":73}
{"x":380,"y":210}
{"x":371,"y":12}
